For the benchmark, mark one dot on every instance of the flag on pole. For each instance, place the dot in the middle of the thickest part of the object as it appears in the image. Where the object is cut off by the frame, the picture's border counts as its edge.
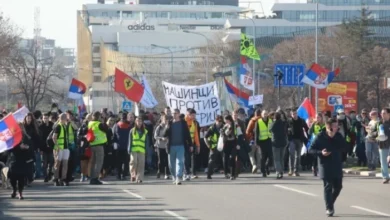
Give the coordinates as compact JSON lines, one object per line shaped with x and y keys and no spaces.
{"x":245,"y":72}
{"x":10,"y":133}
{"x":236,"y":95}
{"x":128,"y":86}
{"x":76,"y":89}
{"x":248,"y":48}
{"x":306,"y":110}
{"x":319,"y":77}
{"x":148,"y":100}
{"x":21,"y":113}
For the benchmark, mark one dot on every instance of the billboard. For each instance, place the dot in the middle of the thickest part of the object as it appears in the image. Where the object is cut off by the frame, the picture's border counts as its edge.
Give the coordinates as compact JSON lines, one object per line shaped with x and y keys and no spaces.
{"x":337,"y":93}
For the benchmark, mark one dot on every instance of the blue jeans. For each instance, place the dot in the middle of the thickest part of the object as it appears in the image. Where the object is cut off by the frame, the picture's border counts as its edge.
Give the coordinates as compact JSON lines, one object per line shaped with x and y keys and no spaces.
{"x":383,"y":153}
{"x":372,"y":152}
{"x":176,"y":161}
{"x":38,"y":165}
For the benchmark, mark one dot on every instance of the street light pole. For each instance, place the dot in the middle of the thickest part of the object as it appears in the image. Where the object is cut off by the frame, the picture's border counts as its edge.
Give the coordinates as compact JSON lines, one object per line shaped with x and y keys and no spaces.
{"x":207,"y":52}
{"x":166,"y":48}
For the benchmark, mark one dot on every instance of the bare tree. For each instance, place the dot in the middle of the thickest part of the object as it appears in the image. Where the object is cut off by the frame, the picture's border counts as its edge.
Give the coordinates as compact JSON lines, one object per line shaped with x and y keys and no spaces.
{"x":35,"y":77}
{"x":9,"y":36}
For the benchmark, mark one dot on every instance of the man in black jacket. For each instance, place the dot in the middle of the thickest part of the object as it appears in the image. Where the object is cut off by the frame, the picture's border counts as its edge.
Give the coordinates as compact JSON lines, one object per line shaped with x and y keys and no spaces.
{"x":329,"y":146}
{"x":47,"y":152}
{"x":297,"y":127}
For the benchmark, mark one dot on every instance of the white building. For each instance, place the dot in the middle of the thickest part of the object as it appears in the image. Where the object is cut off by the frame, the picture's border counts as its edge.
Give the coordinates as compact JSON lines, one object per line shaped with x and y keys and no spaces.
{"x":132,"y":29}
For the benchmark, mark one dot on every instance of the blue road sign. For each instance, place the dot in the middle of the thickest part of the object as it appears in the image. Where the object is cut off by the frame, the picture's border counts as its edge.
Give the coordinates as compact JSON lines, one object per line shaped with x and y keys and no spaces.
{"x":292,"y":74}
{"x":338,"y":107}
{"x":126,"y":106}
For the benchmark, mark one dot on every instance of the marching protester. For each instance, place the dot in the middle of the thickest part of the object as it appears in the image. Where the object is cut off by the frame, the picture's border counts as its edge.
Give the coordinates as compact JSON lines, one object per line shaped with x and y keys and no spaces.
{"x":384,"y":144}
{"x":314,"y":130}
{"x":278,"y":129}
{"x":230,"y":147}
{"x":179,"y":141}
{"x":108,"y":149}
{"x":360,"y":130}
{"x":255,"y":154}
{"x":372,"y":150}
{"x":61,"y":151}
{"x":71,"y":127}
{"x":45,"y":128}
{"x":121,"y":132}
{"x":84,"y":149}
{"x":242,"y":153}
{"x":31,"y":128}
{"x":190,"y":157}
{"x":344,"y":129}
{"x":161,"y":147}
{"x":263,"y":140}
{"x":97,"y":141}
{"x":211,"y":140}
{"x":297,"y":127}
{"x":18,"y":168}
{"x":138,"y":142}
{"x":328,"y":146}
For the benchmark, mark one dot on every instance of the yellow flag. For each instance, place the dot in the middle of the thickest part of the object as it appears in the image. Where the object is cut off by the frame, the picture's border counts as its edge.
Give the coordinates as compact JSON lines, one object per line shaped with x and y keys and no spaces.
{"x":247,"y":48}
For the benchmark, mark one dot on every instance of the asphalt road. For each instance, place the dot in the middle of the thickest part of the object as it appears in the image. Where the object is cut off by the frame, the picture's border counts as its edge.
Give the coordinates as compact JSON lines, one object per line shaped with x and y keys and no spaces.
{"x":248,"y":197}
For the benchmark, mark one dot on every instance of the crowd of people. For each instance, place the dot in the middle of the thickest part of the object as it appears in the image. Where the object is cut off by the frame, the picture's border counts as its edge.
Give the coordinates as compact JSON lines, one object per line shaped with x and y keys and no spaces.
{"x":60,"y":146}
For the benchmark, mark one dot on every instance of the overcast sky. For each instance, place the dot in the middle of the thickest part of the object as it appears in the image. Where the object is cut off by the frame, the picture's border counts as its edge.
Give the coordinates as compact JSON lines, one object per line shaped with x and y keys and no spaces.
{"x":58,"y":17}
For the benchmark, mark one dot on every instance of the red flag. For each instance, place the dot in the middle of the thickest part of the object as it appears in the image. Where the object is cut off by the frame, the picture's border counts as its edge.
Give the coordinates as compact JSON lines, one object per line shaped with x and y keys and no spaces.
{"x":128,"y":86}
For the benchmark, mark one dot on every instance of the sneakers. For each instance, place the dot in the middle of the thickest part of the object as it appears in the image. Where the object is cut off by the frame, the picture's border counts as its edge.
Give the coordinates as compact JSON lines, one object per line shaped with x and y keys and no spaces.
{"x":13,"y":195}
{"x":57,"y":183}
{"x":254,"y":169}
{"x":290,"y":173}
{"x":95,"y":181}
{"x":386,"y":181}
{"x":139,"y":181}
{"x":187,"y":178}
{"x":132,"y":179}
{"x":296,"y":174}
{"x":173,"y":180}
{"x":209,"y":177}
{"x":329,"y":213}
{"x":82,"y":179}
{"x":166,"y":177}
{"x":278,"y":176}
{"x":194,"y":177}
{"x":178,"y":182}
{"x":21,"y":196}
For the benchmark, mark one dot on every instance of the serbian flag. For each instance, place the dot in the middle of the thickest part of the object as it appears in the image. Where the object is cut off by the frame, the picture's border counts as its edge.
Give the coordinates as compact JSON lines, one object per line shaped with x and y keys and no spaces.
{"x":128,"y":86}
{"x":306,"y":110}
{"x":10,"y":133}
{"x":236,"y":95}
{"x":245,"y":71}
{"x":319,"y":77}
{"x":76,"y":89}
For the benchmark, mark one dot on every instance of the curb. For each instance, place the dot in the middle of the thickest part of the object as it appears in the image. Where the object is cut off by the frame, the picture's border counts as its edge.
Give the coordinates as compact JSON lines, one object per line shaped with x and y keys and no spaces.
{"x":362,"y":173}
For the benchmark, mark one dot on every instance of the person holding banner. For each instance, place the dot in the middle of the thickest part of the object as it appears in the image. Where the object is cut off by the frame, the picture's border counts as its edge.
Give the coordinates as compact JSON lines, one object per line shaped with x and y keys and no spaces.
{"x":179,"y":141}
{"x":314,"y":130}
{"x":211,"y":140}
{"x":190,"y":157}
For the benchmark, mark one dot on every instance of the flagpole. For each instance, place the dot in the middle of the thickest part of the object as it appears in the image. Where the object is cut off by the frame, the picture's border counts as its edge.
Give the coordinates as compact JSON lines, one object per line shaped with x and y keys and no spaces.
{"x":254,"y":67}
{"x":316,"y":54}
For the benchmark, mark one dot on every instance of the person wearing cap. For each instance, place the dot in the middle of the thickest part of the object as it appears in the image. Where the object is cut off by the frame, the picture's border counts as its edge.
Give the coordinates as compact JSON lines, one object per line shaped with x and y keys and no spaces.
{"x":344,"y":129}
{"x":190,"y":157}
{"x":372,"y":148}
{"x":384,"y":143}
{"x":211,"y":140}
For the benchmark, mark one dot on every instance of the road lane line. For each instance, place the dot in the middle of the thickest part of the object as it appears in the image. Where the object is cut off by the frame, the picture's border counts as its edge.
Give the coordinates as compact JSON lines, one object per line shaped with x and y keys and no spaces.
{"x":133,"y":194}
{"x":295,"y":190}
{"x":174,"y":215}
{"x":371,"y":211}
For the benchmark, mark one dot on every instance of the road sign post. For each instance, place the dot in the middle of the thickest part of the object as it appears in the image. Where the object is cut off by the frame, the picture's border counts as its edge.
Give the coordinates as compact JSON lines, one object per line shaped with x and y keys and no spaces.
{"x":126,"y":106}
{"x":292,"y":74}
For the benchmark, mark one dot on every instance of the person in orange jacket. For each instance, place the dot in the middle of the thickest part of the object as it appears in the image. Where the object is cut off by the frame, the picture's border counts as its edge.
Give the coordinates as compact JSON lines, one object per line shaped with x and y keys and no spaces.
{"x":190,"y":156}
{"x":255,"y":154}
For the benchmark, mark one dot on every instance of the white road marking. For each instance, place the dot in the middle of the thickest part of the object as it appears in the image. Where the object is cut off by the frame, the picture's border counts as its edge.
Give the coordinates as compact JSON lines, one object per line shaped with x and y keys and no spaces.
{"x":295,"y":190}
{"x":371,"y":211}
{"x":174,"y":215}
{"x":133,"y":194}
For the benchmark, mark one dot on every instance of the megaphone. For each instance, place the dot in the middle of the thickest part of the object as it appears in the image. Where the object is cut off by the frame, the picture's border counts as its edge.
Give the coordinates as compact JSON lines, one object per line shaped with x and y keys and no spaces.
{"x":381,"y":134}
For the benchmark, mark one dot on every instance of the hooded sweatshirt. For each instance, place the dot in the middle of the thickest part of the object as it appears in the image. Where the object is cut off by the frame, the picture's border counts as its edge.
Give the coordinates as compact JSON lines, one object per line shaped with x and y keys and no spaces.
{"x":250,"y":130}
{"x":121,"y":134}
{"x":191,"y":122}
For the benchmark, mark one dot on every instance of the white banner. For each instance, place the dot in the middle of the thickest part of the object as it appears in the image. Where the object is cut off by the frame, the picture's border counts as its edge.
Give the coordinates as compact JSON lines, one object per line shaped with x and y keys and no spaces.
{"x":255,"y":100}
{"x":21,"y":113}
{"x":148,"y":100}
{"x":203,"y":99}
